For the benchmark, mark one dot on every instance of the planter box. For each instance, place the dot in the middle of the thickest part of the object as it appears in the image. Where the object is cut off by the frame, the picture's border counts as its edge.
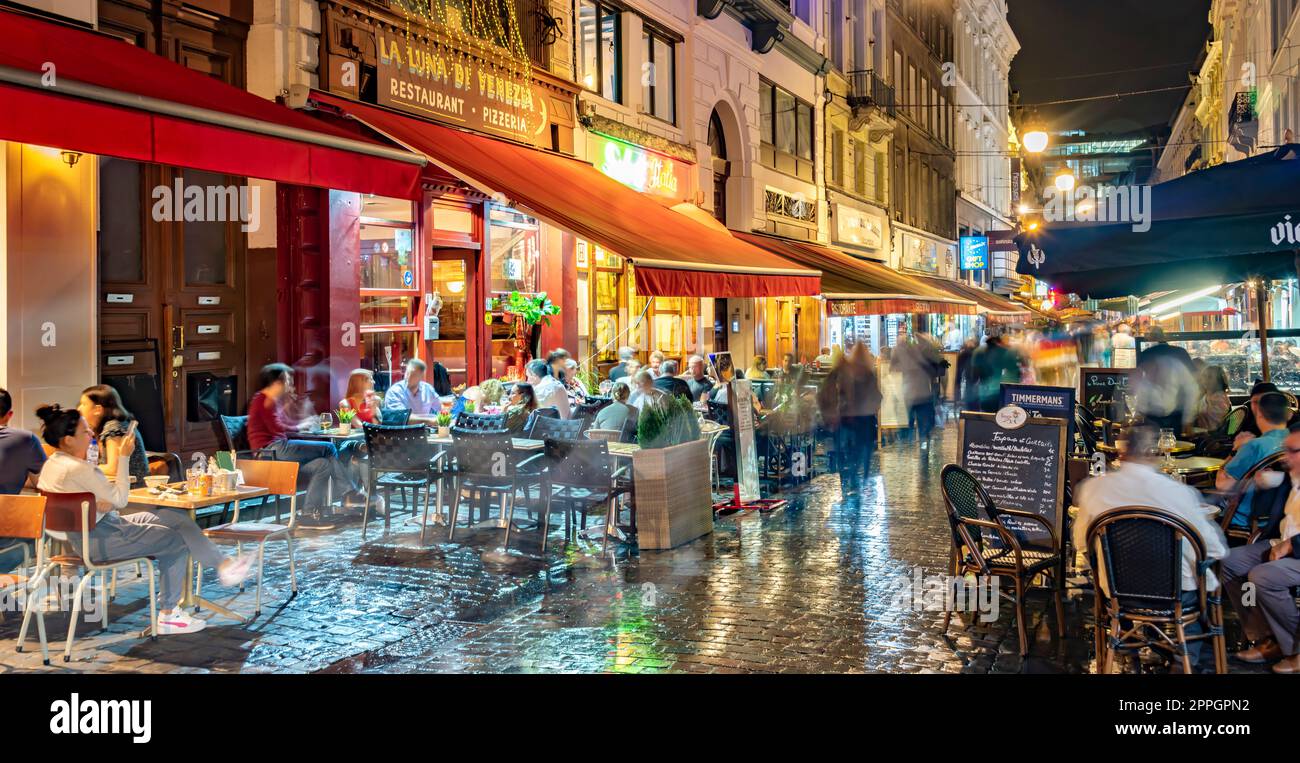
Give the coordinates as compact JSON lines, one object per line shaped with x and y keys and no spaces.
{"x":674,"y":502}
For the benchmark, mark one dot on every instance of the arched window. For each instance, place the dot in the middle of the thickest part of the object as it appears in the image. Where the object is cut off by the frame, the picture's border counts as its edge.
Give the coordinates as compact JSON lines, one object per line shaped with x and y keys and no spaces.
{"x":721,"y":167}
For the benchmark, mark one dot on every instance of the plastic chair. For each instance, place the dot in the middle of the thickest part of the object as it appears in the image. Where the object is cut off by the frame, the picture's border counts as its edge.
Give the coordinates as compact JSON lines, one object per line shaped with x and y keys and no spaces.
{"x":1139,"y":574}
{"x":487,"y":463}
{"x":581,"y":474}
{"x":21,"y":517}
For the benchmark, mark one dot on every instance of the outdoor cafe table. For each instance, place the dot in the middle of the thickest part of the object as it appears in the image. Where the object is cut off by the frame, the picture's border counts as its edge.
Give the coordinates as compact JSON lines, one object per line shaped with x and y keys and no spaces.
{"x":1181,"y":447}
{"x":186,"y":502}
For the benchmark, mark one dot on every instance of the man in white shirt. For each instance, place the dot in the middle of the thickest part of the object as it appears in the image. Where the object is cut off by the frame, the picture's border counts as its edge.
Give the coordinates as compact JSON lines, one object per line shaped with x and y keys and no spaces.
{"x":547,"y":390}
{"x":1272,"y":565}
{"x":1138,"y":483}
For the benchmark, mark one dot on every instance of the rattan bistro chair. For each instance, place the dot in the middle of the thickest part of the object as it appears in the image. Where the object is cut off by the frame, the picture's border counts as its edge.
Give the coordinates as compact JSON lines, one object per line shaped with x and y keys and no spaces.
{"x":975,"y":522}
{"x":77,"y":513}
{"x":1231,"y":500}
{"x":1139,"y":573}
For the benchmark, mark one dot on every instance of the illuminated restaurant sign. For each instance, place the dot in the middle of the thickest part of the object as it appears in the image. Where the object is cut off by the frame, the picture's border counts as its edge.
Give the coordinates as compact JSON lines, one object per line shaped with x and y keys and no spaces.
{"x":440,"y":83}
{"x":638,"y":168}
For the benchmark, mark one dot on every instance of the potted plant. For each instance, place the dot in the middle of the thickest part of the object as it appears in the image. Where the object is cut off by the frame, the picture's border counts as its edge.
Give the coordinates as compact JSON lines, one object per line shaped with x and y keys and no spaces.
{"x":531,"y":312}
{"x":674,"y":502}
{"x":345,"y":416}
{"x":444,"y":424}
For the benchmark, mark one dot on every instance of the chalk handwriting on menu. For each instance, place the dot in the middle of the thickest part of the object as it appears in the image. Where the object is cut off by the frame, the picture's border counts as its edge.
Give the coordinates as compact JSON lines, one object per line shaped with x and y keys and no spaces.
{"x":1019,"y":468}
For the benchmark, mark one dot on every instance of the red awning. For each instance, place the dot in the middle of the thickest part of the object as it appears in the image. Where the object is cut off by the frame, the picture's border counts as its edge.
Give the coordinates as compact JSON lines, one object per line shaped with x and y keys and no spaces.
{"x":77,"y":90}
{"x":859,"y":287}
{"x":673,"y":255}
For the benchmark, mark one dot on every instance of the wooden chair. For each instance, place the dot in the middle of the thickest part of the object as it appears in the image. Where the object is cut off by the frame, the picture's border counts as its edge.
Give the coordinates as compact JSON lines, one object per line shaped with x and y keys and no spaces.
{"x":1138,"y":574}
{"x":21,"y":517}
{"x":1231,"y":499}
{"x":76,"y":513}
{"x":281,"y":478}
{"x":974,"y":521}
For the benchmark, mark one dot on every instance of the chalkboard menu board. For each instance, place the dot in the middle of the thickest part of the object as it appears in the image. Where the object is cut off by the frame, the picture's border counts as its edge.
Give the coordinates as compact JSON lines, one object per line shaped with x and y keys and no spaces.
{"x":740,"y":395}
{"x":1101,"y":390}
{"x":1021,"y":468}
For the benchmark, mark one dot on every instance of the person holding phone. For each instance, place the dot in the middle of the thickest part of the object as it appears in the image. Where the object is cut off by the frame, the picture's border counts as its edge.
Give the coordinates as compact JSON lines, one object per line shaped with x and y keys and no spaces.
{"x":112,"y":424}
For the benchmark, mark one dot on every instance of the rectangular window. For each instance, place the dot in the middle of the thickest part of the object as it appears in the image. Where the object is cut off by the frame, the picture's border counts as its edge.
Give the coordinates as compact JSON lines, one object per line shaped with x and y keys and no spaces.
{"x":515,"y":250}
{"x":912,"y":90}
{"x":659,"y":76}
{"x":390,"y":286}
{"x":600,"y":49}
{"x":896,"y":74}
{"x":861,"y":158}
{"x":787,"y":130}
{"x":837,"y":157}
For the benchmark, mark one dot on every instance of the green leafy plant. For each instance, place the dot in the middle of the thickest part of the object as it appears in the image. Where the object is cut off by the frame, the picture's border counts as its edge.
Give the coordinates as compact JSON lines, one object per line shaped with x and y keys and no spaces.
{"x":346,"y":415}
{"x":469,"y":406}
{"x":666,"y":422}
{"x":589,"y":380}
{"x":444,"y":419}
{"x":533,"y":308}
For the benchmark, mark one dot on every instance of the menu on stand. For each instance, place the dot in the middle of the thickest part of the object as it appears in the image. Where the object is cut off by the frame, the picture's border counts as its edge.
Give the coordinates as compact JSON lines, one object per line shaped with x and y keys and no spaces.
{"x":1103,"y":391}
{"x":1022,"y":467}
{"x":741,"y":397}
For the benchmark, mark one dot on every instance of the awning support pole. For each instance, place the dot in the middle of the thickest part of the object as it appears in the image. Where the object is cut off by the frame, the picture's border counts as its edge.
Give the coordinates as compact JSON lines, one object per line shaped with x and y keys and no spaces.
{"x":1261,"y":312}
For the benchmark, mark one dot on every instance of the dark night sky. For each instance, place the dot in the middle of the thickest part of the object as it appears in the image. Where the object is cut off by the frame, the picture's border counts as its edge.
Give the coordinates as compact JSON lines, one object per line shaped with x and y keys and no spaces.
{"x":1067,"y":38}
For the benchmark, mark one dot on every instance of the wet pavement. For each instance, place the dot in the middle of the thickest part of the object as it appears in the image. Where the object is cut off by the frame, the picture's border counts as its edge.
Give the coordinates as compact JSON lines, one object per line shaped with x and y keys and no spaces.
{"x":827,"y":584}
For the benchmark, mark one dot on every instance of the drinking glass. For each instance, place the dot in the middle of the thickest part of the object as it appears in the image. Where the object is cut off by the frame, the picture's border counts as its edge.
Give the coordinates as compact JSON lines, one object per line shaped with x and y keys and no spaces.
{"x":1166,"y":443}
{"x":326,"y":422}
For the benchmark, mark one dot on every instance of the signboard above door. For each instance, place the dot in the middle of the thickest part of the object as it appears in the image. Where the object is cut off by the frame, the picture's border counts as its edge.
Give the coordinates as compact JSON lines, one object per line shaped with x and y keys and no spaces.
{"x":437,"y":82}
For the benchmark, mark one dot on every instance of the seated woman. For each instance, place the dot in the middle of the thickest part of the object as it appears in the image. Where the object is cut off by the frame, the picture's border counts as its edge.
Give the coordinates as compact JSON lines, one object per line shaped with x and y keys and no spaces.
{"x":1214,"y":404}
{"x":361,"y":397}
{"x":758,"y":369}
{"x":490,"y":393}
{"x":523,"y":401}
{"x":146,"y":533}
{"x":616,"y":414}
{"x":108,"y":419}
{"x":270,"y":426}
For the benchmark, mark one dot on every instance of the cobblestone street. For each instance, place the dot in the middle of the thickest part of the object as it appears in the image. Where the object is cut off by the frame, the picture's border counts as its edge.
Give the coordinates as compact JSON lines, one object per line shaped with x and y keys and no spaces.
{"x":809,"y":588}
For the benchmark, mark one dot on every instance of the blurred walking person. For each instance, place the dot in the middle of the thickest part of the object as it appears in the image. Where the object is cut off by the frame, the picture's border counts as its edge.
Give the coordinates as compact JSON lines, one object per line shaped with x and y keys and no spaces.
{"x":993,"y":364}
{"x":918,"y":360}
{"x":859,"y":410}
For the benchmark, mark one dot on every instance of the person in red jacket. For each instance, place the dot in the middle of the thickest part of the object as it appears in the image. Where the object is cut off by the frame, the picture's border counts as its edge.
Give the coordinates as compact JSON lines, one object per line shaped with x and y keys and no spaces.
{"x":270,"y":426}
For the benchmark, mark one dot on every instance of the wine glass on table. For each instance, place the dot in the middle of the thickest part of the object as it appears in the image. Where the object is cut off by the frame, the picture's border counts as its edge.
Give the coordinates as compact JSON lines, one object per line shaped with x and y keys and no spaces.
{"x":326,"y":421}
{"x":1166,"y":444}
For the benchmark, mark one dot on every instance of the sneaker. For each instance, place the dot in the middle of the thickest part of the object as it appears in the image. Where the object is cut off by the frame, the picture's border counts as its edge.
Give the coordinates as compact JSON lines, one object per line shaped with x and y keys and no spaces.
{"x":237,"y":571}
{"x":178,"y":622}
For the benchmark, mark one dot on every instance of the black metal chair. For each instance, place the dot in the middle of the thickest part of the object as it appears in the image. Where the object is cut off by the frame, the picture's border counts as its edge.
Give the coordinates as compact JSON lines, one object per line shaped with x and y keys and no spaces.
{"x":232,"y":434}
{"x":394,"y":417}
{"x":549,"y":412}
{"x":487,"y":464}
{"x":588,"y":408}
{"x":480,"y":422}
{"x":560,"y":429}
{"x":401,"y":458}
{"x":1139,"y":574}
{"x":580,"y":473}
{"x":975,"y":522}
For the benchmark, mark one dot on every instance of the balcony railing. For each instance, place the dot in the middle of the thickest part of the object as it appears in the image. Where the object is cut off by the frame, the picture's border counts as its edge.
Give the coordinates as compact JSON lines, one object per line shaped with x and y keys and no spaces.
{"x":867,"y":89}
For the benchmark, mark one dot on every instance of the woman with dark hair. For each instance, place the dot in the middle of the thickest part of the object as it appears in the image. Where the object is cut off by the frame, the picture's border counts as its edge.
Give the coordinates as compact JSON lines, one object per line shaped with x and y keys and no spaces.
{"x":523,"y":401}
{"x":1213,"y":406}
{"x":115,"y":536}
{"x":109,"y":421}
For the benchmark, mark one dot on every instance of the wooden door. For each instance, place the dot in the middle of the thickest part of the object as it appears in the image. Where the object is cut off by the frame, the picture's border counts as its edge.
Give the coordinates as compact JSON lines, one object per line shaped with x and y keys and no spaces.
{"x":176,"y":282}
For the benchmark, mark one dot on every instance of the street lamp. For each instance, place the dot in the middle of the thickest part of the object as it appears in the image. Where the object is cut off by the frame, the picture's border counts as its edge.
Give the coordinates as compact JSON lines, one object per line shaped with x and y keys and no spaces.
{"x":1065,"y":181}
{"x":1035,"y":141}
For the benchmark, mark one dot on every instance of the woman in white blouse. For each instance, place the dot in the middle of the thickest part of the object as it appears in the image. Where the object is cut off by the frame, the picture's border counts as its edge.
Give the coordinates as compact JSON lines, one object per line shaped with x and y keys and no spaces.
{"x":116,"y":536}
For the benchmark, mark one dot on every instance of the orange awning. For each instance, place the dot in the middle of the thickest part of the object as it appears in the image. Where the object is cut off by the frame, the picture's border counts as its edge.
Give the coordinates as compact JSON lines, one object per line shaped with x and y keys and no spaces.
{"x":858,"y":287}
{"x":673,"y":255}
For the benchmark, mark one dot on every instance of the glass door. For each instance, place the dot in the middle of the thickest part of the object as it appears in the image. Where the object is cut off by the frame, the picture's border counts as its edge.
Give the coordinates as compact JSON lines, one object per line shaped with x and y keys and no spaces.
{"x":451,"y":283}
